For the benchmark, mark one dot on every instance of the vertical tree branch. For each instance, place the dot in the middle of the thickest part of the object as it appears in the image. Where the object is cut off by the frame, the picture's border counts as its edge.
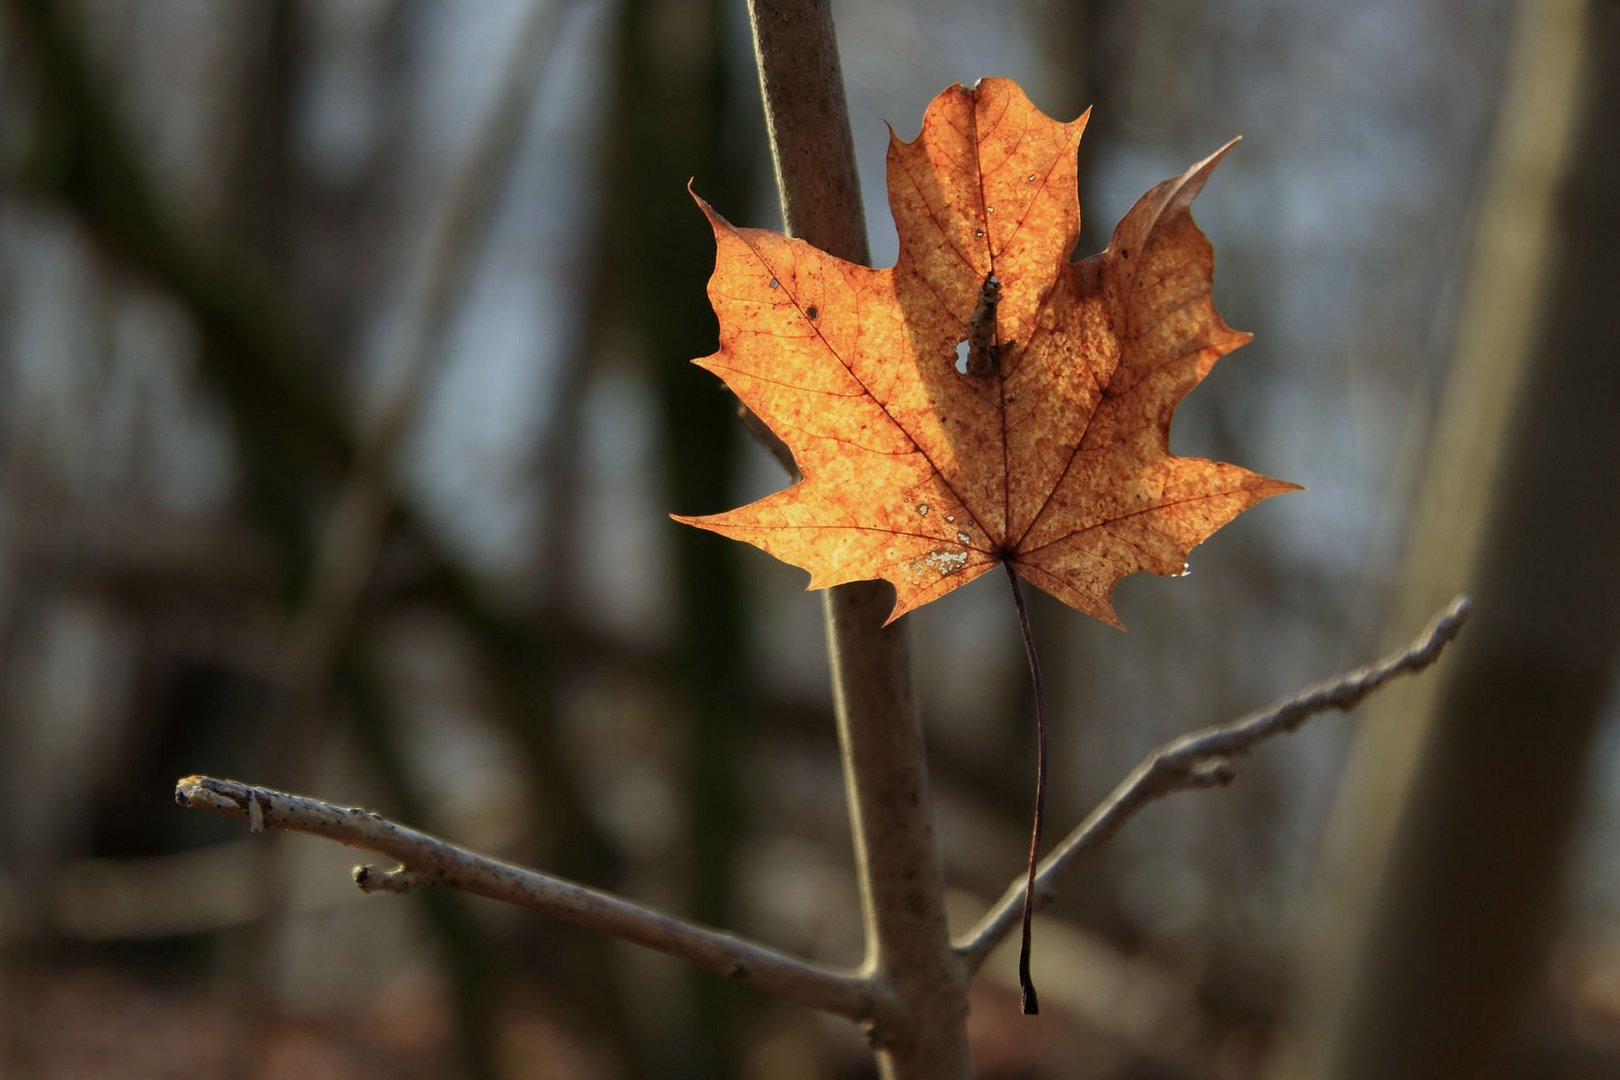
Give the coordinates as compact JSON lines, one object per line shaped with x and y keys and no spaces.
{"x":1442,"y":882}
{"x":908,"y":943}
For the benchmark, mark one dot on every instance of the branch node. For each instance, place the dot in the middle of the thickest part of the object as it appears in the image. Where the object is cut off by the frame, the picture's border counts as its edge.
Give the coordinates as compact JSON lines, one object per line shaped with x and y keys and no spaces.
{"x":1215,"y":772}
{"x":375,"y":879}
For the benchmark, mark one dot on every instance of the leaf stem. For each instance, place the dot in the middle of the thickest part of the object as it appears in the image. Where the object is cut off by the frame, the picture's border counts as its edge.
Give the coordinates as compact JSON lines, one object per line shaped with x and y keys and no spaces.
{"x":1026,"y":986}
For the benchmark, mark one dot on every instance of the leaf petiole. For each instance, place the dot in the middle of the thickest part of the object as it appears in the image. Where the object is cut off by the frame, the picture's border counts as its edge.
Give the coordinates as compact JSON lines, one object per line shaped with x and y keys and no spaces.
{"x":1031,"y":1003}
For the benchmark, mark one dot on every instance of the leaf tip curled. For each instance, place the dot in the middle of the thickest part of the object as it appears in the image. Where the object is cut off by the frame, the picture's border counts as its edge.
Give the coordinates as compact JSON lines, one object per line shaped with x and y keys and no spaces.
{"x":717,"y":221}
{"x":1191,"y":182}
{"x":703,"y":204}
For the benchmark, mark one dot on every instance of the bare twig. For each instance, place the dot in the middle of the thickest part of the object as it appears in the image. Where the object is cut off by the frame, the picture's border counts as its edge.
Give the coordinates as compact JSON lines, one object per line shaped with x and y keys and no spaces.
{"x":1204,"y":759}
{"x":427,"y":861}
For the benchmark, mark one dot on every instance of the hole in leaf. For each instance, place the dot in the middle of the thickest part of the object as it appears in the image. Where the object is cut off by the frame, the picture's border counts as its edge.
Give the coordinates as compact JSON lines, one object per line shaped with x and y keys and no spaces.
{"x":812,"y":311}
{"x":962,"y":349}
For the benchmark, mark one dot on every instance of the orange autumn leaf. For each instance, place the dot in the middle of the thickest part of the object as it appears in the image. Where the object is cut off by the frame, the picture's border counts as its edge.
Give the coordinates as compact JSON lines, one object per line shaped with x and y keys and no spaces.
{"x":1054,"y":457}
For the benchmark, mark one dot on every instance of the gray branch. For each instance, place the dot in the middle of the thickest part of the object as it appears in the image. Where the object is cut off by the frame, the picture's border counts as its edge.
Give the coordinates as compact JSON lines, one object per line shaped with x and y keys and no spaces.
{"x":1198,"y":760}
{"x":1203,"y":759}
{"x":427,"y":861}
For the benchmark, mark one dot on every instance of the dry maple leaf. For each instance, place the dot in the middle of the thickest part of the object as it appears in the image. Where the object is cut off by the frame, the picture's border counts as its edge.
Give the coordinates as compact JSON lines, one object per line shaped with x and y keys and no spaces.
{"x":984,"y":400}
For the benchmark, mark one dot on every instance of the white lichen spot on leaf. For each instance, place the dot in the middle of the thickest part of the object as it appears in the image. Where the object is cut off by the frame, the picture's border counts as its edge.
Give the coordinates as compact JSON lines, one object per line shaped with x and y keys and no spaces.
{"x":946,"y":562}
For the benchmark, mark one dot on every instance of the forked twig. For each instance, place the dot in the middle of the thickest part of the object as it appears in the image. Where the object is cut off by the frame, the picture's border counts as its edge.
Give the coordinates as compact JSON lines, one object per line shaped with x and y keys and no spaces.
{"x":1204,"y":759}
{"x":1201,"y":759}
{"x":427,"y":861}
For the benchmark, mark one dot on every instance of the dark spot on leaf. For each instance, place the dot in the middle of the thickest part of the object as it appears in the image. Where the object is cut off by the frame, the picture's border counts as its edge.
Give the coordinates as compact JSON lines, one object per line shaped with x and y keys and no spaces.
{"x":812,"y":311}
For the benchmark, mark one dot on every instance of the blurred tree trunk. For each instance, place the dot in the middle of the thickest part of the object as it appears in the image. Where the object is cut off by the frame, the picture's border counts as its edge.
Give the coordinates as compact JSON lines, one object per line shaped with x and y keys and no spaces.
{"x":678,"y":118}
{"x":1444,"y":875}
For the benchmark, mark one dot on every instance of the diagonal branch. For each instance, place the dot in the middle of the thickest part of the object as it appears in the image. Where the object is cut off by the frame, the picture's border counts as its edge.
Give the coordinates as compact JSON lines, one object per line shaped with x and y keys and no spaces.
{"x":428,"y":861}
{"x":1204,"y":759}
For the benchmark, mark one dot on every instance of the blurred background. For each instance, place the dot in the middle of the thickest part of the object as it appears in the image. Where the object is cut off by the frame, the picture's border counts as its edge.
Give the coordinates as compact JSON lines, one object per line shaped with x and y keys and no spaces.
{"x":343,"y":397}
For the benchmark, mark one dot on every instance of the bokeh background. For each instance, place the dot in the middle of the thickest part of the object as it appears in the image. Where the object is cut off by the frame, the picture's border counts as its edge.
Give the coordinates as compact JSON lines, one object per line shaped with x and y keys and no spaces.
{"x":344,"y":397}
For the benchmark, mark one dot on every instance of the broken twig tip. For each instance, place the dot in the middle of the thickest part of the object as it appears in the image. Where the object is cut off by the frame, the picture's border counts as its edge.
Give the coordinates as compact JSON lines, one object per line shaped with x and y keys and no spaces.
{"x":372,"y":879}
{"x":186,"y":789}
{"x":1216,"y":772}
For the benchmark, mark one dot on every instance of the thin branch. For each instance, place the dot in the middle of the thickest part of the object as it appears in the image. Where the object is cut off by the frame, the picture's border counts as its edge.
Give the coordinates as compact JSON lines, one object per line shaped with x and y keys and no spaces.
{"x":1204,"y":759}
{"x":427,"y":861}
